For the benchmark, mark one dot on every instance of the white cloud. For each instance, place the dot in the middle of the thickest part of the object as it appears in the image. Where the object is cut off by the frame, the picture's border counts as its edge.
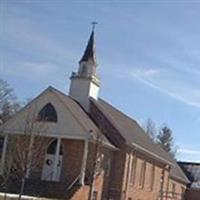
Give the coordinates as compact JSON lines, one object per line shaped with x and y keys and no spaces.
{"x":169,"y":83}
{"x":46,"y":58}
{"x":148,"y":73}
{"x":188,"y":155}
{"x":26,"y":34}
{"x":189,"y":151}
{"x":43,"y":72}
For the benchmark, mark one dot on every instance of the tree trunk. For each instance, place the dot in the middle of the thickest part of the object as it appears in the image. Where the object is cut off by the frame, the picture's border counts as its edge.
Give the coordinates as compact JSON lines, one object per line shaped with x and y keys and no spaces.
{"x":5,"y":195}
{"x":21,"y":189}
{"x":6,"y":190}
{"x":91,"y":190}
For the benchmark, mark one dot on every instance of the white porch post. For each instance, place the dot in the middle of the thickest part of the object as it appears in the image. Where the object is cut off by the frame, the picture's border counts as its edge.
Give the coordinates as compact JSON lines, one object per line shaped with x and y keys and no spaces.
{"x":84,"y":162}
{"x":3,"y":154}
{"x":56,"y":158}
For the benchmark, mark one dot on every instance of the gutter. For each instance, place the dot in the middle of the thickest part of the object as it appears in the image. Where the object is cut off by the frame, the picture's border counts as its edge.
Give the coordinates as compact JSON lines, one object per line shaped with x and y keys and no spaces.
{"x":176,"y":178}
{"x":143,"y":150}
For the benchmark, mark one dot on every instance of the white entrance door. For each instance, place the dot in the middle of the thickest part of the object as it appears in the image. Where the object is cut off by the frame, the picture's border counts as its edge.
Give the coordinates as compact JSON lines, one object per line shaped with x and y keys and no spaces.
{"x":52,"y":170}
{"x":58,"y":171}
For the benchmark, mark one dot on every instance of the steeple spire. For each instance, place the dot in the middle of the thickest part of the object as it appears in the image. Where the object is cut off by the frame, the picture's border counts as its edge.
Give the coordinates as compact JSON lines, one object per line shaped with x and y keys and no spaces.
{"x":85,"y":83}
{"x":90,"y":51}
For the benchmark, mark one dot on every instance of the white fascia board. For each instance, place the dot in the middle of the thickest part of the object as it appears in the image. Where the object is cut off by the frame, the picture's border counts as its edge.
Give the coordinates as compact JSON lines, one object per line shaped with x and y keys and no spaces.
{"x":143,"y":150}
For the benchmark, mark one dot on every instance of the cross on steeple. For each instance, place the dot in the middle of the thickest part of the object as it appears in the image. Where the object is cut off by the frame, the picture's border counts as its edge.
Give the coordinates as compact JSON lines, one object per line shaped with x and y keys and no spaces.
{"x":93,"y":25}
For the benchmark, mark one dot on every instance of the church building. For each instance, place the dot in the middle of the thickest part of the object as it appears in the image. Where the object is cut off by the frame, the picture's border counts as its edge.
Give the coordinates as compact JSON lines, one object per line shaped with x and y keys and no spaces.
{"x":77,"y":146}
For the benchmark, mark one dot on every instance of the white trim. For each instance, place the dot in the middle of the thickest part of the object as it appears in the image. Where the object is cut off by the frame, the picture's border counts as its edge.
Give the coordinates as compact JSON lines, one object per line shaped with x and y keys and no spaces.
{"x":56,"y":158}
{"x":16,"y":196}
{"x":137,"y":147}
{"x":57,"y":94}
{"x":3,"y":154}
{"x":54,"y":135}
{"x":70,"y":110}
{"x":84,"y":162}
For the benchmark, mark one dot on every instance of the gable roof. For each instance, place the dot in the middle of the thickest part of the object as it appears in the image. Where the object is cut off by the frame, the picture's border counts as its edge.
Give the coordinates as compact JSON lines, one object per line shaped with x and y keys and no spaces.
{"x":88,"y":128}
{"x":135,"y":136}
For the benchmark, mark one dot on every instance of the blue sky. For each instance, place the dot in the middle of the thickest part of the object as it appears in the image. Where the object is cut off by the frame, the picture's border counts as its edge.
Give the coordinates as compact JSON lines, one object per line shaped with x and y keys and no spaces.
{"x":148,"y":55}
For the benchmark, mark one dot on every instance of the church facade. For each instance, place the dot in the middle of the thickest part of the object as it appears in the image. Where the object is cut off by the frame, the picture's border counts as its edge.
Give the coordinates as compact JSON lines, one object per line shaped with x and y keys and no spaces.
{"x":79,"y":147}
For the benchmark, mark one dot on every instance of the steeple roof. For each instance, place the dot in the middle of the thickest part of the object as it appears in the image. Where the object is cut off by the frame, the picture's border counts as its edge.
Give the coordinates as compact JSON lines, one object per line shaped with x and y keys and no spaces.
{"x":90,"y":53}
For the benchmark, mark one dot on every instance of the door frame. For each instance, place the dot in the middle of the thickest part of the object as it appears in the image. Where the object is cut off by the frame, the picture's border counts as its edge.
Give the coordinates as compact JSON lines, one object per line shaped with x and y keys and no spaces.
{"x":58,"y":156}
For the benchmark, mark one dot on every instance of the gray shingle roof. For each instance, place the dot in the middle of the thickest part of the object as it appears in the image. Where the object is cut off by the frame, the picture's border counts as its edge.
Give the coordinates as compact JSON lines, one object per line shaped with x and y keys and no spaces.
{"x":134,"y":135}
{"x":177,"y":173}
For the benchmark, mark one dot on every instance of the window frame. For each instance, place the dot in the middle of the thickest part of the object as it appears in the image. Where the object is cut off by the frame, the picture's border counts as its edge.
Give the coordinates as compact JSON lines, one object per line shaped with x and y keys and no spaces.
{"x":173,"y":189}
{"x":142,"y":174}
{"x":152,"y":177}
{"x":133,"y":170}
{"x":48,"y":111}
{"x":51,"y":148}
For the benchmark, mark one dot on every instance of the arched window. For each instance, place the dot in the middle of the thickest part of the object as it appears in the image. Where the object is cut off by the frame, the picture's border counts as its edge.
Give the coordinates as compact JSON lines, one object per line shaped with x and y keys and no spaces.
{"x":47,"y":114}
{"x":52,"y":148}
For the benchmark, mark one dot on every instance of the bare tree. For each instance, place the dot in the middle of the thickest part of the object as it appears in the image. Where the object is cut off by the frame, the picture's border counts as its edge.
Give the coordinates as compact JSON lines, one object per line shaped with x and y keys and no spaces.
{"x":162,"y":136}
{"x":98,"y":146}
{"x":8,"y":101}
{"x":150,"y":128}
{"x":6,"y":93}
{"x":7,"y":170}
{"x":24,"y":151}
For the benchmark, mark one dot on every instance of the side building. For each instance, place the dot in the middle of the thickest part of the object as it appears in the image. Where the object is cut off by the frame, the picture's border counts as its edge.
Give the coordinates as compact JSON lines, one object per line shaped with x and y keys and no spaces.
{"x":192,"y":171}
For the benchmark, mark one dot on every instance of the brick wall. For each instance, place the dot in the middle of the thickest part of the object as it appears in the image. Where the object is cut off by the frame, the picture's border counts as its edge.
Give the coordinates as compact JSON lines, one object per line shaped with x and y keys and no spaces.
{"x":117,"y":175}
{"x":193,"y":194}
{"x":176,"y":189}
{"x":72,"y":159}
{"x":151,"y":186}
{"x":102,"y":168}
{"x":71,"y":168}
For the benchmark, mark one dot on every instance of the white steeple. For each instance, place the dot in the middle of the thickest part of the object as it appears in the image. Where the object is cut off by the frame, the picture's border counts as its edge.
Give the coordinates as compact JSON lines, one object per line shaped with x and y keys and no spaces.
{"x":85,"y":83}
